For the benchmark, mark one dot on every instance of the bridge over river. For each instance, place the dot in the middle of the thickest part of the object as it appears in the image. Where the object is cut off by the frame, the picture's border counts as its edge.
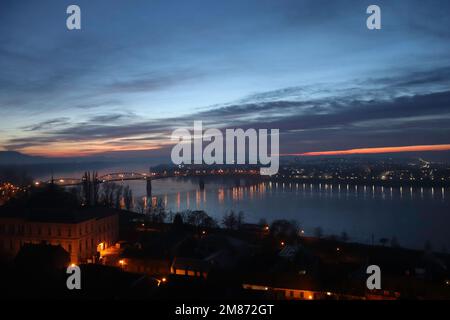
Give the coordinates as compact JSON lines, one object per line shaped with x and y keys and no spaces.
{"x":131,"y":176}
{"x":110,"y":177}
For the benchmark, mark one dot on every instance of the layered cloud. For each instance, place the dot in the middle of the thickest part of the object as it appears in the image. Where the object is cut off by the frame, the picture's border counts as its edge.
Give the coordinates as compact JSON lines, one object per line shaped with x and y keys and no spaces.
{"x":382,"y":112}
{"x":309,"y":68}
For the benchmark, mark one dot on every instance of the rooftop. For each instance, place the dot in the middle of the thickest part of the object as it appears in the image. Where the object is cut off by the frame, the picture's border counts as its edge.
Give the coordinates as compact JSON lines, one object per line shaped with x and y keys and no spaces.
{"x":52,"y":204}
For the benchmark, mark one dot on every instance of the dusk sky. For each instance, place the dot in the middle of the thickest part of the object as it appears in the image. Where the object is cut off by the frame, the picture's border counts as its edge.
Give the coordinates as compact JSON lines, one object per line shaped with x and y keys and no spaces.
{"x":139,"y":69}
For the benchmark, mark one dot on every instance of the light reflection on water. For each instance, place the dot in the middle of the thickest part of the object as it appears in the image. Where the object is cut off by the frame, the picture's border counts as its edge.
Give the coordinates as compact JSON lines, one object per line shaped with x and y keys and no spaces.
{"x":412,"y":214}
{"x":234,"y":194}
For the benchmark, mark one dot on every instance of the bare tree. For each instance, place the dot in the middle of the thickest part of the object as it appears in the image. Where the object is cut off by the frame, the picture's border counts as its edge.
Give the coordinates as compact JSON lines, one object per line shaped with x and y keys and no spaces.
{"x":118,"y":196}
{"x":178,"y":219}
{"x":200,"y":218}
{"x":90,"y":188}
{"x":263,"y":222}
{"x":87,"y":187}
{"x":158,"y":212}
{"x":394,"y":242}
{"x":77,"y":192}
{"x":128,"y":197}
{"x":240,"y":219}
{"x":140,"y":205}
{"x":107,"y":194}
{"x":284,"y":229}
{"x":384,"y":241}
{"x":230,"y":220}
{"x":428,"y":247}
{"x":318,"y":232}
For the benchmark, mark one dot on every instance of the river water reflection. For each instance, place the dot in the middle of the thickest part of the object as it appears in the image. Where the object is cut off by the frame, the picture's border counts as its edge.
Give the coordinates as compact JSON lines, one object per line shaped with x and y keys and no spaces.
{"x":412,"y":215}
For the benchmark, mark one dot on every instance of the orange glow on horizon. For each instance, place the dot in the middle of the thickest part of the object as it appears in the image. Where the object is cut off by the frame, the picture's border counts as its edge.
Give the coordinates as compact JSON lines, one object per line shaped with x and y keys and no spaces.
{"x":83,"y":149}
{"x":91,"y":148}
{"x":439,"y":147}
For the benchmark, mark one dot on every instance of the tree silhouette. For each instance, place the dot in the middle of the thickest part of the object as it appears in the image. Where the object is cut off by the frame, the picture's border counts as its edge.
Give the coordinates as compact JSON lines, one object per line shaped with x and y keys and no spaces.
{"x":384,"y":241}
{"x":128,"y":198}
{"x":318,"y":232}
{"x":394,"y":242}
{"x":230,"y":220}
{"x":178,"y":219}
{"x":428,"y":247}
{"x":284,"y":229}
{"x":200,"y":218}
{"x":344,"y":236}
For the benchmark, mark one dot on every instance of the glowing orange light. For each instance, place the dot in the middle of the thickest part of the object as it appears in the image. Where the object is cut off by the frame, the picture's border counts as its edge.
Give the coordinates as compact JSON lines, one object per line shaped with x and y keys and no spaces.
{"x":438,"y":147}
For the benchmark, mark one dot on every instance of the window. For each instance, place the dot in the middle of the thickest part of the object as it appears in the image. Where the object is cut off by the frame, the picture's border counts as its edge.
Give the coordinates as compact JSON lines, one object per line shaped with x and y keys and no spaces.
{"x":49,"y":231}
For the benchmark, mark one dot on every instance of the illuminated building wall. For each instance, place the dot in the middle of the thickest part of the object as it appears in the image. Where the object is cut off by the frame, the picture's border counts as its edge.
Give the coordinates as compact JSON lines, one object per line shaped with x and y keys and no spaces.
{"x":82,"y":238}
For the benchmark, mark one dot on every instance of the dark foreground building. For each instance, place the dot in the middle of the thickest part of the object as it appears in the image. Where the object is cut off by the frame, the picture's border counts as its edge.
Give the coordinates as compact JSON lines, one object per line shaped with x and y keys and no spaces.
{"x":53,"y":216}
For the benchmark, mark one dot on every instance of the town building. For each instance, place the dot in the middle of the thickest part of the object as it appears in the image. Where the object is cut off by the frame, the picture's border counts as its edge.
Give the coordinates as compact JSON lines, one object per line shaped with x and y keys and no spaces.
{"x":53,"y":217}
{"x":190,"y":267}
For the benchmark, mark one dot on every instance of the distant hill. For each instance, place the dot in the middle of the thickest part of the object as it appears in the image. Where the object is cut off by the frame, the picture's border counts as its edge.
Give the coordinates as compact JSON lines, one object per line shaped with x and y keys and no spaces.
{"x":17,"y":158}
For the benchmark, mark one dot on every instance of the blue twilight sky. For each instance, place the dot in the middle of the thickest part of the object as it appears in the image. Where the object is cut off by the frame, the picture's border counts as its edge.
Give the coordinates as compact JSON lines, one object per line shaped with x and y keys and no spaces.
{"x":139,"y":69}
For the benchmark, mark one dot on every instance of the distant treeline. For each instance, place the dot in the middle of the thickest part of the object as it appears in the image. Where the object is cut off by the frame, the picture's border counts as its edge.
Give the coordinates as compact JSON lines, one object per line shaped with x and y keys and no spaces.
{"x":15,"y":175}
